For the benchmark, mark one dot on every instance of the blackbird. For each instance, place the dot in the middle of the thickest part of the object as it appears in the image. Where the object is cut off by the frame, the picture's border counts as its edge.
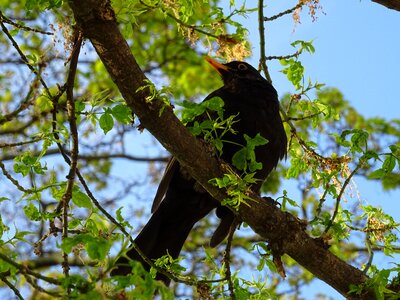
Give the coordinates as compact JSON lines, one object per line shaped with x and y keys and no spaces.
{"x":180,"y":202}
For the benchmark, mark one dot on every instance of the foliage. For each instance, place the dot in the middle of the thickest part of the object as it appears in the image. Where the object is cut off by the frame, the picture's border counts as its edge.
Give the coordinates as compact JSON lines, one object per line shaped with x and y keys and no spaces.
{"x":331,"y":145}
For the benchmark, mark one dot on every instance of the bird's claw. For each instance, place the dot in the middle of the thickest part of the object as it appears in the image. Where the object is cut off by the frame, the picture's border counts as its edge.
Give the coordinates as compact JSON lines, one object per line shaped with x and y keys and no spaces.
{"x":272,"y":201}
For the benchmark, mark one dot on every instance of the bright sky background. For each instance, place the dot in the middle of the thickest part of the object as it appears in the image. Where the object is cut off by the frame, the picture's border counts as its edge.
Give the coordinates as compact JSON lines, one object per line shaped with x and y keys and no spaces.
{"x":357,"y":46}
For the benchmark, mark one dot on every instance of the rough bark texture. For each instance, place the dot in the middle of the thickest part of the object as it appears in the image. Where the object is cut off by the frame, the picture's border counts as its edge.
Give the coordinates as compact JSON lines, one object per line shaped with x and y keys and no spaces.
{"x":392,"y":4}
{"x":284,"y":232}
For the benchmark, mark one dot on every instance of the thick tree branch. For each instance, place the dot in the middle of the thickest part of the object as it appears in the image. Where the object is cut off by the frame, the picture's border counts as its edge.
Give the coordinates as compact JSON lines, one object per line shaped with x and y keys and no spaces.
{"x":392,"y":4}
{"x":284,"y":232}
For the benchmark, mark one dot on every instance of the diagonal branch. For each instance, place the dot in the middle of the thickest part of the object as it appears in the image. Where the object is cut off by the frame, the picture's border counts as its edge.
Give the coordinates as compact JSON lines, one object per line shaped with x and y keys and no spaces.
{"x":11,"y":286}
{"x":392,"y":4}
{"x":74,"y":137}
{"x":97,"y":21}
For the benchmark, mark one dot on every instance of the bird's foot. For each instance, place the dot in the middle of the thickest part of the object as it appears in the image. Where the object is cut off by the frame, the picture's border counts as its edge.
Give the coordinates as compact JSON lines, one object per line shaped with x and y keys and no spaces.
{"x":272,"y":201}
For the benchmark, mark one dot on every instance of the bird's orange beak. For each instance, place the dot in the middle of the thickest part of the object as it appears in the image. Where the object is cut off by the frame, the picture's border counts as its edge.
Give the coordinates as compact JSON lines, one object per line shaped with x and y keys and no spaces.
{"x":216,"y":65}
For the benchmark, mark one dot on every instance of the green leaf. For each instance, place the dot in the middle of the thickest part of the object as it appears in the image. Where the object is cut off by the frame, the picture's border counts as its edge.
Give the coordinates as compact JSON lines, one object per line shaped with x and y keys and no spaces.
{"x":388,"y":164}
{"x":80,"y":199}
{"x":32,"y":212}
{"x":245,"y":158}
{"x":106,"y":122}
{"x":74,"y":223}
{"x":121,"y":219}
{"x":23,"y":169}
{"x":98,"y":248}
{"x":258,"y":140}
{"x":377,"y":174}
{"x":20,"y":235}
{"x":122,"y":113}
{"x":68,"y":243}
{"x":3,"y":227}
{"x":218,"y":145}
{"x":79,"y":106}
{"x":91,"y":227}
{"x":44,"y":103}
{"x":214,"y":104}
{"x":254,"y":166}
{"x":239,"y":159}
{"x":196,"y":129}
{"x":294,"y":71}
{"x":4,"y":199}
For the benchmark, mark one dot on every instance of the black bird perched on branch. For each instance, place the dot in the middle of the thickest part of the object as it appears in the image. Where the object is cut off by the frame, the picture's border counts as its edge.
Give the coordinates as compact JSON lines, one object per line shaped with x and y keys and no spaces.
{"x":180,"y":202}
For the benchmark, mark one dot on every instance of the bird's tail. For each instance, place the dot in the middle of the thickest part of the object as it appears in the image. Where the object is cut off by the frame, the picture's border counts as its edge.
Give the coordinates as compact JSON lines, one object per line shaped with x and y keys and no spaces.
{"x":166,"y":232}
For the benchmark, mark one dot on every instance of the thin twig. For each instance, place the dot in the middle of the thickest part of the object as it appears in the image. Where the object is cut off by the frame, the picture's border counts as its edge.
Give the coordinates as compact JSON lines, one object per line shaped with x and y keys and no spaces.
{"x":20,"y":26}
{"x":11,"y":286}
{"x":261,"y":30}
{"x":74,"y":135}
{"x":321,"y":202}
{"x":286,"y":12}
{"x":191,"y":27}
{"x":14,"y":181}
{"x":304,"y":117}
{"x":40,"y":289}
{"x":25,"y":59}
{"x":283,"y":56}
{"x":86,"y":157}
{"x":25,"y":270}
{"x":339,"y":197}
{"x":370,"y":253}
{"x":34,"y":140}
{"x":227,"y":259}
{"x":25,"y":104}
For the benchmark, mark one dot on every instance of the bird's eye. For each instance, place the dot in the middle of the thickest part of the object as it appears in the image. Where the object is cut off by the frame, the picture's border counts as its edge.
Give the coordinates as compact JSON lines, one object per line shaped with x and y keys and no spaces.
{"x":242,"y":67}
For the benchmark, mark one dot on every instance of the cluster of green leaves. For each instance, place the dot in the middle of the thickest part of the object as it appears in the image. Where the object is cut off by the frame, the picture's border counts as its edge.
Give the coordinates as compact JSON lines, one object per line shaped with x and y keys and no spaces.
{"x":294,"y":69}
{"x":27,"y":163}
{"x":166,"y":262}
{"x":245,"y":159}
{"x":379,"y":282}
{"x":161,"y":95}
{"x":388,"y":163}
{"x":43,"y":5}
{"x":207,"y":120}
{"x":237,"y":188}
{"x":139,"y":284}
{"x":255,"y":288}
{"x":115,"y":110}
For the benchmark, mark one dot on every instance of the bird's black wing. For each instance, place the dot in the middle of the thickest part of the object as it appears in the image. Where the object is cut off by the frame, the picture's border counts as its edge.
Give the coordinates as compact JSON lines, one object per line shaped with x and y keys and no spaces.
{"x":170,"y":169}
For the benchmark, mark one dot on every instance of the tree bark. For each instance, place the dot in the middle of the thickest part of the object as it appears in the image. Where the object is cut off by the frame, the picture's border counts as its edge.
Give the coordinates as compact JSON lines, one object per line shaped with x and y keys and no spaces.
{"x":392,"y":4}
{"x":284,"y":232}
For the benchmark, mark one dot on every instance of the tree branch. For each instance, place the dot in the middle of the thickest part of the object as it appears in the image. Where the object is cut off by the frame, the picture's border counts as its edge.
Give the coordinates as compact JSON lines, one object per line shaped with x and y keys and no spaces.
{"x":283,"y":231}
{"x":392,"y":4}
{"x":12,"y":287}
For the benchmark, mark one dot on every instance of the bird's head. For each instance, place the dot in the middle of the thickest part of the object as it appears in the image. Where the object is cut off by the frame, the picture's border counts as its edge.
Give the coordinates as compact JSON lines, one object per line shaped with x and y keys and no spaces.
{"x":236,"y":72}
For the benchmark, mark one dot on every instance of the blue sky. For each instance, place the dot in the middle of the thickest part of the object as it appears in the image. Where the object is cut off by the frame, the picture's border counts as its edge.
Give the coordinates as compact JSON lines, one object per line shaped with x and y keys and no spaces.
{"x":356,"y":48}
